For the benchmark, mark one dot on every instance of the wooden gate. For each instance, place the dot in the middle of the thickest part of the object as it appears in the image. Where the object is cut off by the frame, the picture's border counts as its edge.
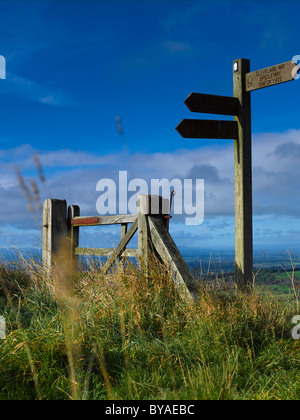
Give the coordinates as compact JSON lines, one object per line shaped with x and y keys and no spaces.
{"x":60,"y":222}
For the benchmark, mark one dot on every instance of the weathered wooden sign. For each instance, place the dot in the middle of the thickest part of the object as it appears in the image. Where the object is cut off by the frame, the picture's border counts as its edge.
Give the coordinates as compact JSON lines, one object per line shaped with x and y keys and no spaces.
{"x":212,"y":104}
{"x":270,"y":76}
{"x":208,"y":129}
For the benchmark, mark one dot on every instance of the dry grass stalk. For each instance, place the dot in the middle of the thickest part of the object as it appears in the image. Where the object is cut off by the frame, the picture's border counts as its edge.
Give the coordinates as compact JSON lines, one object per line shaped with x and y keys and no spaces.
{"x":39,"y":168}
{"x":25,"y":189}
{"x":36,"y":195}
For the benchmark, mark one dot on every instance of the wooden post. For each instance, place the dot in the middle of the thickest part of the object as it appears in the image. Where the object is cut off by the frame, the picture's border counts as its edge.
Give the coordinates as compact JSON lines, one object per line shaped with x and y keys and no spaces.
{"x":243,"y":179}
{"x":124,"y":230}
{"x":143,"y":231}
{"x":73,"y":232}
{"x":149,"y":205}
{"x":154,"y":236}
{"x":54,"y":229}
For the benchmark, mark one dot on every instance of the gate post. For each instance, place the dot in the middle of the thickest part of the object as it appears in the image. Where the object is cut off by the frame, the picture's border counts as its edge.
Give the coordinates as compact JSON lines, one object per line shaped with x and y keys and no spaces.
{"x":143,"y":232}
{"x":155,"y":206}
{"x":73,"y":233}
{"x":54,"y":230}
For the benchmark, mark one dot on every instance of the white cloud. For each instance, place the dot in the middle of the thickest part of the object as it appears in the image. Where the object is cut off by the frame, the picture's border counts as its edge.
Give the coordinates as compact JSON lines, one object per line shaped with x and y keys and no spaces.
{"x":73,"y":175}
{"x":28,"y":89}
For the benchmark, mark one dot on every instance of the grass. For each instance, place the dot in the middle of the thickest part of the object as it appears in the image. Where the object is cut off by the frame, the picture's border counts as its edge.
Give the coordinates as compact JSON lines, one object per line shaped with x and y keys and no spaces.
{"x":132,"y":337}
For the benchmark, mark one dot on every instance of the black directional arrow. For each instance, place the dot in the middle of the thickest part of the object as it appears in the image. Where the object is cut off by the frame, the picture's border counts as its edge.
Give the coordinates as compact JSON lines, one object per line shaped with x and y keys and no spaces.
{"x":208,"y":129}
{"x":212,"y":104}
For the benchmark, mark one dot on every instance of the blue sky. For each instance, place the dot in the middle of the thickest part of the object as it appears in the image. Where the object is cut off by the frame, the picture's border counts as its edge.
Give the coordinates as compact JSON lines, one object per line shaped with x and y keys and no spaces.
{"x":73,"y":66}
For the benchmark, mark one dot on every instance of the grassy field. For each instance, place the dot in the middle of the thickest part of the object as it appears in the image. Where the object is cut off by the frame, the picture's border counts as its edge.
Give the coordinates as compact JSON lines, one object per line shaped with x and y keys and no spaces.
{"x":133,"y":337}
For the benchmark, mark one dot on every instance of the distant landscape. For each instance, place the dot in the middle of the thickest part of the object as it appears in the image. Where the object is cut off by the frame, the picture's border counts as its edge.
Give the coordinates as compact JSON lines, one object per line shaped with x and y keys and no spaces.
{"x":273,"y":269}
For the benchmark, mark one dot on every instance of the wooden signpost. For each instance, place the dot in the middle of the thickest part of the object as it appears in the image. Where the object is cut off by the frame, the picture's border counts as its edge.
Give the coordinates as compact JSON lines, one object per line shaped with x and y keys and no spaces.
{"x":239,"y":106}
{"x":243,"y":179}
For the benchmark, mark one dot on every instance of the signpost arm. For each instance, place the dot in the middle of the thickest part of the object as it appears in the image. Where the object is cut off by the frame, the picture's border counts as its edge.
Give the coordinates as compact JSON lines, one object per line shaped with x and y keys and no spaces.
{"x":243,"y":179}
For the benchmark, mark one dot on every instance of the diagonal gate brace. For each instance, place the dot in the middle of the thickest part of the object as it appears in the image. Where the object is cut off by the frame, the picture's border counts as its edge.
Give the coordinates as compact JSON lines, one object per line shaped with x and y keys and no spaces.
{"x":167,"y":249}
{"x":121,"y":247}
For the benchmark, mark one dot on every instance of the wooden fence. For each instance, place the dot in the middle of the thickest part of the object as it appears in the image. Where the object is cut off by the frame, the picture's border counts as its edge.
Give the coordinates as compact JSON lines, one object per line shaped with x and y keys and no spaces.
{"x":60,"y":221}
